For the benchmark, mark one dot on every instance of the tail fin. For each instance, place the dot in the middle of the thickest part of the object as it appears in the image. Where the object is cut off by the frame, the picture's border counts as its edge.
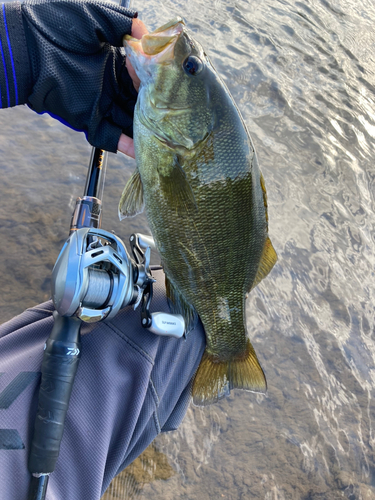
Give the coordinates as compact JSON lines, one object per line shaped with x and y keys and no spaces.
{"x":215,"y":378}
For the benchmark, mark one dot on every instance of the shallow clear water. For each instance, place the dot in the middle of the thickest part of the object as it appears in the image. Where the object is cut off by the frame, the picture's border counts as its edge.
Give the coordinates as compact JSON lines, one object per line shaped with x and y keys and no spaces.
{"x":303,"y":75}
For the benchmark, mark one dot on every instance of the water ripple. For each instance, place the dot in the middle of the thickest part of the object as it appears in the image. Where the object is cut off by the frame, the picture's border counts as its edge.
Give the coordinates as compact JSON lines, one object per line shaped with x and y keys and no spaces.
{"x":303,"y":75}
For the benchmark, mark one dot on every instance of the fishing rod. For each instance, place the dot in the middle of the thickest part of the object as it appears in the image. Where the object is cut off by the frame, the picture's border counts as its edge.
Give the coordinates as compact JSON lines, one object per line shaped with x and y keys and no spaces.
{"x":63,"y":341}
{"x":93,"y":278}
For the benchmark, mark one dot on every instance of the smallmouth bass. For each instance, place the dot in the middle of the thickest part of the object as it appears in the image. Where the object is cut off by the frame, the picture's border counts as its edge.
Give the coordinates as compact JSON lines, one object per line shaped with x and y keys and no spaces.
{"x":198,"y":177}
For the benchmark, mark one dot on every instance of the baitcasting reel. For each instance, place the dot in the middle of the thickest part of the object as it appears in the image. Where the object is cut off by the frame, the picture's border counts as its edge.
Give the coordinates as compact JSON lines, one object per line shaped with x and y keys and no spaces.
{"x":94,"y":277}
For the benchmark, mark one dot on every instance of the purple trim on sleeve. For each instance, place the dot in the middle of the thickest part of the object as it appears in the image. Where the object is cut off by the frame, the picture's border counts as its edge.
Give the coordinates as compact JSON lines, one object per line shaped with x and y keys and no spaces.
{"x":11,"y":58}
{"x":61,"y":120}
{"x":5,"y":70}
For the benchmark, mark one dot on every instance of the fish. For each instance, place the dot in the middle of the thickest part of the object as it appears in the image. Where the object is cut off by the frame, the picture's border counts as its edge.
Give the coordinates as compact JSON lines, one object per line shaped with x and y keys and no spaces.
{"x":198,"y":178}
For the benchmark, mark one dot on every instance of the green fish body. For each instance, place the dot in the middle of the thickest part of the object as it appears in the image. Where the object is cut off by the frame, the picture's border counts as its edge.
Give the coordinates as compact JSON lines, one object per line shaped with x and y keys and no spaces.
{"x":199,"y":180}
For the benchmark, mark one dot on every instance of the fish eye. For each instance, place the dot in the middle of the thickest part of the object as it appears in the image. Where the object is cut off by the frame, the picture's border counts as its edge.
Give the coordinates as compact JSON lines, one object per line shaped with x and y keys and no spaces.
{"x":192,"y":65}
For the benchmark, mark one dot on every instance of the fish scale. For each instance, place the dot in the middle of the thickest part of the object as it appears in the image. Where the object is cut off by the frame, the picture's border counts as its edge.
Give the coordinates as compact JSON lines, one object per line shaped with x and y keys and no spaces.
{"x":199,"y":180}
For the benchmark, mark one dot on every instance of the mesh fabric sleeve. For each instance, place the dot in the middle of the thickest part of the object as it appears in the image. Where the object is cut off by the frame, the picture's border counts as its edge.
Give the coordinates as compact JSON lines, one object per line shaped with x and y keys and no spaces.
{"x":15,"y":69}
{"x":63,"y":57}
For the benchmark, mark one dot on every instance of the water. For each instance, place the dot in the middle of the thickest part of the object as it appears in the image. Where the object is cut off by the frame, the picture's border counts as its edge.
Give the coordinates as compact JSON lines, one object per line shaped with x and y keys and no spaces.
{"x":303,"y":76}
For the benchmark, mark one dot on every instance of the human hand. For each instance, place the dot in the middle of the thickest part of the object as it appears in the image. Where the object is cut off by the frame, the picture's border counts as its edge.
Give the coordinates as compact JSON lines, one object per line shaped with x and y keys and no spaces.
{"x":126,"y":144}
{"x":77,"y":71}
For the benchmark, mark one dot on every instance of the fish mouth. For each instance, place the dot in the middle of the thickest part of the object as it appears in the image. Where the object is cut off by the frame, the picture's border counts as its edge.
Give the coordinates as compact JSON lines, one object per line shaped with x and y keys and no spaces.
{"x":158,"y":45}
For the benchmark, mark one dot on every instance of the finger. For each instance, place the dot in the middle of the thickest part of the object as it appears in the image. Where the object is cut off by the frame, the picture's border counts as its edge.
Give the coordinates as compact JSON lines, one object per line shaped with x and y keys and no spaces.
{"x":126,"y":145}
{"x":138,"y":30}
{"x":123,"y":119}
{"x":88,"y":25}
{"x":112,"y":21}
{"x":105,"y":135}
{"x":133,"y":75}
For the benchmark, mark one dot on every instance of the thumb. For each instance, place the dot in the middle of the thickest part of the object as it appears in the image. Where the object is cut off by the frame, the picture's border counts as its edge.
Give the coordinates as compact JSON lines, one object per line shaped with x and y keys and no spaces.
{"x":138,"y":30}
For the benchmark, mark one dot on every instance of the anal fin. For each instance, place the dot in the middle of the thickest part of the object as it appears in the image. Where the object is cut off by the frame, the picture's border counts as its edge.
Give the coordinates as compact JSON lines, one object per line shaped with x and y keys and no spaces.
{"x":267,"y":261}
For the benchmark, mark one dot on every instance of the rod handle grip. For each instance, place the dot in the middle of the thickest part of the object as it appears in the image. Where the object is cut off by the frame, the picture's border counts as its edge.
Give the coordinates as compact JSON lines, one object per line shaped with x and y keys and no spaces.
{"x":60,"y":361}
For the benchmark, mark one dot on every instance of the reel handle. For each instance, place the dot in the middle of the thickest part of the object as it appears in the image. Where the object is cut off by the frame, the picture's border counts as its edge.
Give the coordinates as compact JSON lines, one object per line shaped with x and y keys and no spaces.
{"x":167,"y":325}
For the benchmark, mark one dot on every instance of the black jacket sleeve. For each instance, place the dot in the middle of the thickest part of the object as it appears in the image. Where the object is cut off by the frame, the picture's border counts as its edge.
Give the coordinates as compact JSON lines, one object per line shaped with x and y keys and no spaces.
{"x":63,"y":57}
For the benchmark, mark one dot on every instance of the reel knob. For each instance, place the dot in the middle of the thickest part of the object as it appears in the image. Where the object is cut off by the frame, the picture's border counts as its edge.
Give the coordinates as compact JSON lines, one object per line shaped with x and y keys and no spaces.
{"x":168,"y":325}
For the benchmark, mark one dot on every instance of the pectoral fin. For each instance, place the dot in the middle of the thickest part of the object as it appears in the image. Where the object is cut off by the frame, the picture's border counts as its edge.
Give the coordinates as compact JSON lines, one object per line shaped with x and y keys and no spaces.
{"x":176,"y":189}
{"x":131,"y":202}
{"x":267,"y":261}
